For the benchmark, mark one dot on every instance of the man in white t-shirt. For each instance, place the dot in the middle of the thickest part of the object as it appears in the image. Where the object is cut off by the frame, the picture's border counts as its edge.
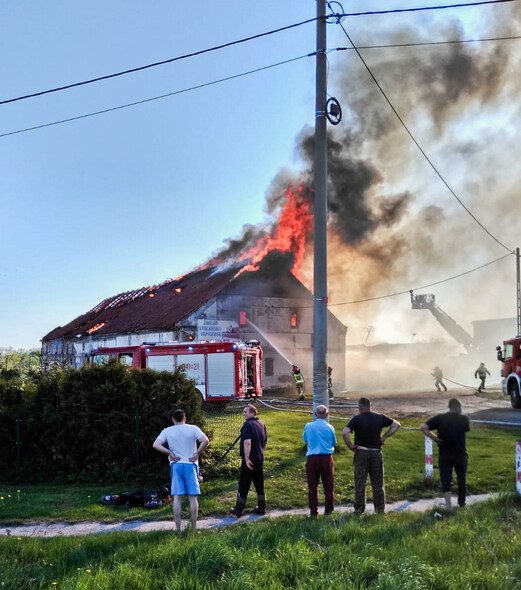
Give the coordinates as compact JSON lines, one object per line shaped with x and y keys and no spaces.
{"x":183,"y":443}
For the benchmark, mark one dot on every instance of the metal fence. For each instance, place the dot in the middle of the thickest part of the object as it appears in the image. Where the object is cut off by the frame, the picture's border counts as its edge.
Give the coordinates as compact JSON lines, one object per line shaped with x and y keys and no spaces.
{"x":223,"y":421}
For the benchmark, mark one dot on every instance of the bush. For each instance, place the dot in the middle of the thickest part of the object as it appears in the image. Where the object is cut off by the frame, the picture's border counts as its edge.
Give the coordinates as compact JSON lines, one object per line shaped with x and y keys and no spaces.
{"x":88,"y":424}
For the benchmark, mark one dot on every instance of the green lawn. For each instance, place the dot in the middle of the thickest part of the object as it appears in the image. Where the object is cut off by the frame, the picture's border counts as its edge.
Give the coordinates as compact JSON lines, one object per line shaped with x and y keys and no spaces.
{"x":491,"y":468}
{"x":475,"y":548}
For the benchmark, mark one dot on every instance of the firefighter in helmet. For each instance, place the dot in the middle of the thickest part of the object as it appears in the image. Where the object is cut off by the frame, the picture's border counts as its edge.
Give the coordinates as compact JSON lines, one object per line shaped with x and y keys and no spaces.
{"x":437,"y":373}
{"x":299,"y":381}
{"x":482,"y":373}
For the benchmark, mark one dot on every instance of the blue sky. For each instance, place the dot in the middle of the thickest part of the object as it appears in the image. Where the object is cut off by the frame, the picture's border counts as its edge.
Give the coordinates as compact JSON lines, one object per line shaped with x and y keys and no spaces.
{"x":130,"y":198}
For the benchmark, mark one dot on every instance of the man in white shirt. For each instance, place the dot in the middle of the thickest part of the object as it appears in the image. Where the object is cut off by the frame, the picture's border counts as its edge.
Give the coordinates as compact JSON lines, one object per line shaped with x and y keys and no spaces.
{"x":183,"y":443}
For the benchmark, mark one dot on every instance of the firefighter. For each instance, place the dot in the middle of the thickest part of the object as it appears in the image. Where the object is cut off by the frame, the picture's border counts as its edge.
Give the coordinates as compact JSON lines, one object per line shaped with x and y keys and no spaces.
{"x":482,"y":373}
{"x":438,"y":378}
{"x":299,"y":381}
{"x":330,"y":382}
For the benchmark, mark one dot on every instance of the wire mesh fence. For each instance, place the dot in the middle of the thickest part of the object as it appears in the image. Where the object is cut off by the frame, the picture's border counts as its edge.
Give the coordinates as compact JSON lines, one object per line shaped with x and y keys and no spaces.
{"x":223,"y":422}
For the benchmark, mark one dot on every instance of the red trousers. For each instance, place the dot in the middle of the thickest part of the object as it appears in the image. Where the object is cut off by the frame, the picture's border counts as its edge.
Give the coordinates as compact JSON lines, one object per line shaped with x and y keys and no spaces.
{"x":320,"y":467}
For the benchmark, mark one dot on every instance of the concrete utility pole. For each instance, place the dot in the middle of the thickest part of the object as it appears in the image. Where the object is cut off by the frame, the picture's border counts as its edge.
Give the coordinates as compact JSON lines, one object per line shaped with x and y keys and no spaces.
{"x":518,"y":294}
{"x":320,"y":395}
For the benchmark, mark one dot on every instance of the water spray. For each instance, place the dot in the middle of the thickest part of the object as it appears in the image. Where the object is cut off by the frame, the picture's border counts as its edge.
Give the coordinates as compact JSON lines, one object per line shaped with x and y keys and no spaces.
{"x":410,"y":368}
{"x":267,"y":338}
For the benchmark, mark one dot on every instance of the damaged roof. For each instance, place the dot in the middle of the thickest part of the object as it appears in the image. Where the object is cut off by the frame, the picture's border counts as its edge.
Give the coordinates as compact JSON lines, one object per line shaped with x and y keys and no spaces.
{"x":149,"y":308}
{"x":160,"y":307}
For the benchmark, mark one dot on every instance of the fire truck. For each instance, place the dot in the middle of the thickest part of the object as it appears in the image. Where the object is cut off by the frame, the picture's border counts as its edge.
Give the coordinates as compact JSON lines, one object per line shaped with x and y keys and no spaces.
{"x":221,"y":370}
{"x":510,"y":357}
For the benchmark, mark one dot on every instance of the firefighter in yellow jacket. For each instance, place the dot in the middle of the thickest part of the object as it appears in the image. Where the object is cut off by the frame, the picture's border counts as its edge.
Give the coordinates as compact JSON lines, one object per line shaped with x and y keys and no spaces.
{"x":299,"y":381}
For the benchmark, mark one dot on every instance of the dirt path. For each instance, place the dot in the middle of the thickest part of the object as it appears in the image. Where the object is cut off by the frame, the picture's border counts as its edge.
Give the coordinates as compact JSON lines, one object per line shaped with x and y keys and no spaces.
{"x":61,"y":529}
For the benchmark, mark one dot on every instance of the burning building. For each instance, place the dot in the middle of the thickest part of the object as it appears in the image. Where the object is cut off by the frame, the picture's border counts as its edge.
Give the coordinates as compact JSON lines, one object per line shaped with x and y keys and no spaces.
{"x":241,"y":294}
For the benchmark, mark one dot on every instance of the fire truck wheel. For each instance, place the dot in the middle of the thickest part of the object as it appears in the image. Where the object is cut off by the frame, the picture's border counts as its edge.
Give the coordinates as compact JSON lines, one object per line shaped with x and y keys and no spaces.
{"x":515,"y":398}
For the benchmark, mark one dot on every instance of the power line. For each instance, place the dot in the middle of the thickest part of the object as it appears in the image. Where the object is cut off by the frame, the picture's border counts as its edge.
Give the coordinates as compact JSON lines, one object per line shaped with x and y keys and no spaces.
{"x":418,"y":9}
{"x":138,"y":102}
{"x":159,"y":63}
{"x":427,"y":43}
{"x":462,"y":274}
{"x":237,"y":42}
{"x":131,"y":104}
{"x":438,"y":173}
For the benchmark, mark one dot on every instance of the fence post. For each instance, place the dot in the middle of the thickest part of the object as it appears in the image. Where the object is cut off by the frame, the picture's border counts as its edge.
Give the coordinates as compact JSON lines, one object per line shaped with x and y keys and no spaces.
{"x":137,"y":439}
{"x":518,"y":467}
{"x":428,"y":461}
{"x":18,"y":440}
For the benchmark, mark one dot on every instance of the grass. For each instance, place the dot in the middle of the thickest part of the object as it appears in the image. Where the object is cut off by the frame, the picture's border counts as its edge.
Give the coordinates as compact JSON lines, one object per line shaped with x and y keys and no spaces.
{"x":474,"y":548}
{"x":491,"y":469}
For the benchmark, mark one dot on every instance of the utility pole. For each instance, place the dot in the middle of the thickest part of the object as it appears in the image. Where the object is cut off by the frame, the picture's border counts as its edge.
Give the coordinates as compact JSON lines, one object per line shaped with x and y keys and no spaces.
{"x":518,"y":294}
{"x":320,"y":395}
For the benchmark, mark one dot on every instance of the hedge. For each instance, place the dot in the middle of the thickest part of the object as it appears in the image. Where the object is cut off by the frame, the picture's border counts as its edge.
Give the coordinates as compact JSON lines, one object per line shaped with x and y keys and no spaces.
{"x":90,"y":424}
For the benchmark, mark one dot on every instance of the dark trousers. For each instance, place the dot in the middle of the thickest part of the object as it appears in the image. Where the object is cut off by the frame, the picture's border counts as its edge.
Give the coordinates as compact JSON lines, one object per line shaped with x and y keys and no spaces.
{"x":439,"y":382}
{"x":369,"y":463}
{"x":246,"y":476}
{"x":458,"y":462}
{"x":482,"y":386}
{"x":320,"y":467}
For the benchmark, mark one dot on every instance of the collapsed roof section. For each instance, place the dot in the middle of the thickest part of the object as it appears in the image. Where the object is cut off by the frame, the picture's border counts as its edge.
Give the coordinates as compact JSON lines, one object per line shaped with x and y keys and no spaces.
{"x":149,"y":308}
{"x":161,"y":307}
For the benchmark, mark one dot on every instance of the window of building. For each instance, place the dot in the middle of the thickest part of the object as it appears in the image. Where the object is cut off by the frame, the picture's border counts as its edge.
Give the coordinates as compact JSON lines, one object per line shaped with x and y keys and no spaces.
{"x":242,"y":318}
{"x":294,"y":320}
{"x":268,"y":367}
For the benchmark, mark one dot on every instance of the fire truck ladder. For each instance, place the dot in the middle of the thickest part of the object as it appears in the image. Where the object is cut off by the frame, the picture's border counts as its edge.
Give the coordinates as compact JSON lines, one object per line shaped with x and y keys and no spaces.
{"x":427,"y":301}
{"x":244,"y":373}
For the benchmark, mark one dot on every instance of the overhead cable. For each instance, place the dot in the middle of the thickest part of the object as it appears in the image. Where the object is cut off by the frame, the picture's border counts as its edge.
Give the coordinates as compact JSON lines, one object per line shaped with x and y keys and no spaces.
{"x":431,"y":164}
{"x":407,"y":291}
{"x":138,"y":102}
{"x":418,"y":8}
{"x":159,"y":63}
{"x":427,"y":43}
{"x":239,"y":41}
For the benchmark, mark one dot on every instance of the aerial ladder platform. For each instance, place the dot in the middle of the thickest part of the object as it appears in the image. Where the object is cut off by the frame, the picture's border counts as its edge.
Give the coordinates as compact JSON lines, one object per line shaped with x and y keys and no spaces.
{"x":428,"y":301}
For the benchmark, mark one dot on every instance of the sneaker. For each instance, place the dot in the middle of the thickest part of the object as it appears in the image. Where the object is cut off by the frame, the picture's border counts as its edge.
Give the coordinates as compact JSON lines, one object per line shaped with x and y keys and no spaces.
{"x":261,"y":511}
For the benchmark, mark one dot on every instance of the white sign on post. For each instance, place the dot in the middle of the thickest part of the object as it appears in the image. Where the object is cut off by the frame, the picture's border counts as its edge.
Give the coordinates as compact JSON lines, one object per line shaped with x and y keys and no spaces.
{"x":219,"y":330}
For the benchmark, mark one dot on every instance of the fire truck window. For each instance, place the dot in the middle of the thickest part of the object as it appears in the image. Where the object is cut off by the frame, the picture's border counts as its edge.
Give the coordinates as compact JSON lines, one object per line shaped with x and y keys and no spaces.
{"x":509,"y":349}
{"x":268,"y":367}
{"x":126,"y":359}
{"x":100,"y":359}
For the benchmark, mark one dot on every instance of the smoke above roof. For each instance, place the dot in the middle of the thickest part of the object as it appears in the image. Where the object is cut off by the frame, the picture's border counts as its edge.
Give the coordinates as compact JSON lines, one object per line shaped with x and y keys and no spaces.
{"x":392,"y":224}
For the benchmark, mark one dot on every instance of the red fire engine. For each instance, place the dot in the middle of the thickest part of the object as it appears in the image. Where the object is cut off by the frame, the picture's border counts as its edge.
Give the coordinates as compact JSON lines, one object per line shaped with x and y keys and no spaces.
{"x":221,"y":370}
{"x":510,"y":357}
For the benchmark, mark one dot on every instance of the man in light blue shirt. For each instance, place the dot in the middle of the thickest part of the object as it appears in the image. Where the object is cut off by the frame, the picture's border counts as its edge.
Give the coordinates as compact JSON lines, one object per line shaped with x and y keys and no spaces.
{"x":321,"y":440}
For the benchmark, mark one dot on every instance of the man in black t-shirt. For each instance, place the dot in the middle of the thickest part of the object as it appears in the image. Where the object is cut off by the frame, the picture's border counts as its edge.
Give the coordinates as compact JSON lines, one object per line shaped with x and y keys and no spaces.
{"x":367,"y":426}
{"x":451,"y":428}
{"x":253,"y":443}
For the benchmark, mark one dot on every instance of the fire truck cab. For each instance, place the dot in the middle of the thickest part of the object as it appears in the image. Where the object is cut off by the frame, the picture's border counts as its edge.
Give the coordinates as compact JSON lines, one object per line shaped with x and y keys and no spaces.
{"x":221,"y":370}
{"x":510,"y":357}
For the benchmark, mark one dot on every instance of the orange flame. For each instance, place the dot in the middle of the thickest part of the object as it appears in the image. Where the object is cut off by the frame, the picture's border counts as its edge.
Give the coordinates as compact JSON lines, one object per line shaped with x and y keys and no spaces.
{"x":294,"y":225}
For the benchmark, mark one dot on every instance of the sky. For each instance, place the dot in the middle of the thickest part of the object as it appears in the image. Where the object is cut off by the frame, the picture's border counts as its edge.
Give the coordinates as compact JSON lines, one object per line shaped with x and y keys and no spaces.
{"x":129,"y":198}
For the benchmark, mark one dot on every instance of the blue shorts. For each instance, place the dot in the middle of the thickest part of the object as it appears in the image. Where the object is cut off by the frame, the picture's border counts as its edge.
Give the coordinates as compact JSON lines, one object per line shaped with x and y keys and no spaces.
{"x":184,"y":479}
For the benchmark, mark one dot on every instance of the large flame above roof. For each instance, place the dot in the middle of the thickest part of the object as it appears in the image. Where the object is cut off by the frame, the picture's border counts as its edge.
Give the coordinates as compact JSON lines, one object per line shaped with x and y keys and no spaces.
{"x":290,"y":234}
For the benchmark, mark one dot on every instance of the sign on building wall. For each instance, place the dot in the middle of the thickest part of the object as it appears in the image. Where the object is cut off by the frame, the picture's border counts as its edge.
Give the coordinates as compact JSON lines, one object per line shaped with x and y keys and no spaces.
{"x":217,"y":330}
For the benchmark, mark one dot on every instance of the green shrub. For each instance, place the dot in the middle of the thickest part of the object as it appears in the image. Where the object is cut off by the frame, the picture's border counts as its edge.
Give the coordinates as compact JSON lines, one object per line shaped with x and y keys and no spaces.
{"x":83,"y":425}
